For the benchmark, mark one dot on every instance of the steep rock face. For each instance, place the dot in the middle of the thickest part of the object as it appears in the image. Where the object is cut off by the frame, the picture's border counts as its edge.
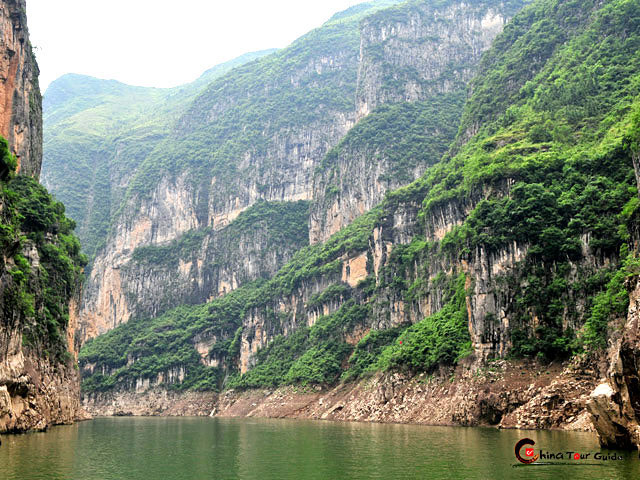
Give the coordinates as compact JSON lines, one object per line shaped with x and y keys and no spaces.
{"x":614,"y":404}
{"x":243,"y":141}
{"x":105,"y":303}
{"x":39,"y":257}
{"x":274,"y":164}
{"x":34,"y":391}
{"x":504,"y":246}
{"x":21,"y":105}
{"x":198,"y":266}
{"x":408,"y":55}
{"x":494,"y":279}
{"x":377,"y":156}
{"x":423,"y":54}
{"x":242,"y":166}
{"x":39,"y":380}
{"x":111,"y":128}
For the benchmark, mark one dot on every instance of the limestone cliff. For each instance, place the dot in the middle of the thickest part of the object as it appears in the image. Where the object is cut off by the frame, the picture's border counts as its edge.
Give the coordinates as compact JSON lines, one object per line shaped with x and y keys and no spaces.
{"x":412,"y":54}
{"x":509,"y":245}
{"x":21,"y":105}
{"x":40,"y":263}
{"x":615,"y":403}
{"x":269,"y":157}
{"x":197,"y":266}
{"x":35,"y":391}
{"x":111,"y":128}
{"x":419,"y":59}
{"x":261,"y":132}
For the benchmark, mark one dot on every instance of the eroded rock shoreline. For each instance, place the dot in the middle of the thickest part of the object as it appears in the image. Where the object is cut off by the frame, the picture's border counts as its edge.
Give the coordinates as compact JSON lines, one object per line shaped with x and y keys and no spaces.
{"x":503,"y":394}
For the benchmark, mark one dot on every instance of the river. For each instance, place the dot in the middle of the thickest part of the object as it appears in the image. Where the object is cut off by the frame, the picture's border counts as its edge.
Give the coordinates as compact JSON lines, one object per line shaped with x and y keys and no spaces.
{"x":217,"y":448}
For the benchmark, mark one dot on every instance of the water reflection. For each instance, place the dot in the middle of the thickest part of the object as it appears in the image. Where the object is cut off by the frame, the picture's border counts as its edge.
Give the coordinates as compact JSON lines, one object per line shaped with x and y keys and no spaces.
{"x":203,"y":448}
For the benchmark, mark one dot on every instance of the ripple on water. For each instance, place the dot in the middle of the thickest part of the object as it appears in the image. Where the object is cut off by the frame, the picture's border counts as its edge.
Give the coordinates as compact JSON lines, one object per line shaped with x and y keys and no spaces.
{"x":204,"y":448}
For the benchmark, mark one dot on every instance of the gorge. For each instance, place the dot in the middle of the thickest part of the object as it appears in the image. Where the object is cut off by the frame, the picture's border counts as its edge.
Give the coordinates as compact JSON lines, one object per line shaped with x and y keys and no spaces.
{"x":422,"y":211}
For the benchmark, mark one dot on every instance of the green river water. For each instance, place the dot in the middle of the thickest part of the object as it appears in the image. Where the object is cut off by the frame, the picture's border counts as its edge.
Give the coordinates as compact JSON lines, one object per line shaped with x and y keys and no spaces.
{"x":205,"y":448}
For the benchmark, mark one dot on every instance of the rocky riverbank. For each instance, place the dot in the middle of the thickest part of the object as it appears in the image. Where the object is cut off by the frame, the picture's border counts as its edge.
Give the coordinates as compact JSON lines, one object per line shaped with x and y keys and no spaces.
{"x":34,"y":394}
{"x":504,"y":394}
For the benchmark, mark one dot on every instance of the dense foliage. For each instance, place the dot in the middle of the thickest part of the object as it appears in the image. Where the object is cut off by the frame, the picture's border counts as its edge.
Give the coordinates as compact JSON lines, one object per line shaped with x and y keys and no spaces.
{"x":167,"y":342}
{"x":41,"y":257}
{"x":541,"y":170}
{"x":108,"y":128}
{"x":405,"y":135}
{"x":555,"y":161}
{"x":245,"y":113}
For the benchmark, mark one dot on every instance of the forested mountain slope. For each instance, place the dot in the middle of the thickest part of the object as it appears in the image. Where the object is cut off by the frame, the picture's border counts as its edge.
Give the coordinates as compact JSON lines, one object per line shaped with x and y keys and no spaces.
{"x":261,"y":133}
{"x":517,"y":243}
{"x":108,"y":128}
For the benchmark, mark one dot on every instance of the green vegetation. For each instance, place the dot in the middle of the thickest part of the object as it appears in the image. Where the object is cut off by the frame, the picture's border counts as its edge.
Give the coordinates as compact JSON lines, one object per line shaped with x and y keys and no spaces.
{"x":557,"y":167}
{"x":159,"y":345}
{"x":451,"y":78}
{"x":109,"y":129}
{"x":41,"y":286}
{"x":337,"y":292}
{"x":540,"y":174}
{"x":124,"y":139}
{"x":549,"y":173}
{"x":406,"y":135}
{"x":166,"y":342}
{"x":8,"y":162}
{"x":611,"y":304}
{"x":440,"y":339}
{"x":308,"y":356}
{"x":280,"y":223}
{"x":367,"y":352}
{"x":266,"y":235}
{"x":247,"y":111}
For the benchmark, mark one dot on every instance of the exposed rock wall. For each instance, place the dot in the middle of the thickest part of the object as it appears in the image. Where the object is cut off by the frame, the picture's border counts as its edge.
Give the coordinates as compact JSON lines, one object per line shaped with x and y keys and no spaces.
{"x":280,"y":164}
{"x":282,"y":172}
{"x":426,"y":53}
{"x":165,"y":215}
{"x":615,"y":404}
{"x":154,"y":402}
{"x":38,"y":386}
{"x":197,"y":267}
{"x":36,"y":389}
{"x":20,"y":99}
{"x":495,"y":276}
{"x":493,"y":280}
{"x":35,"y":393}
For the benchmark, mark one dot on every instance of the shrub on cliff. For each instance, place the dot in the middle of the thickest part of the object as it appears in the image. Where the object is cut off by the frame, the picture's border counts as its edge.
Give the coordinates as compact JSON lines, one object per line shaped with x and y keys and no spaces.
{"x":38,"y":296}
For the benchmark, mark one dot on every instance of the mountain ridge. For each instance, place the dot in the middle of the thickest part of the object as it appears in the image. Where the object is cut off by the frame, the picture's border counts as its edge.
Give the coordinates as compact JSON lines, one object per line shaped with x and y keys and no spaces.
{"x":446,"y":235}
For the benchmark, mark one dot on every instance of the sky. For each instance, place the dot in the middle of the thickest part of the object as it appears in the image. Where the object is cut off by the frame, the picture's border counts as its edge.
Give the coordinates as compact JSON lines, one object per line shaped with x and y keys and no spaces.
{"x":162,"y":43}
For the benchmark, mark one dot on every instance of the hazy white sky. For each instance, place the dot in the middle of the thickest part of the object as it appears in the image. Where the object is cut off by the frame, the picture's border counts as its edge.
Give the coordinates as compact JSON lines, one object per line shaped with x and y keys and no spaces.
{"x":163,"y":43}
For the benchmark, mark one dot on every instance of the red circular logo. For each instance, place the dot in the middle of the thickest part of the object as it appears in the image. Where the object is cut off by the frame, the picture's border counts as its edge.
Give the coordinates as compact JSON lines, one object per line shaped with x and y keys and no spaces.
{"x":529,"y":452}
